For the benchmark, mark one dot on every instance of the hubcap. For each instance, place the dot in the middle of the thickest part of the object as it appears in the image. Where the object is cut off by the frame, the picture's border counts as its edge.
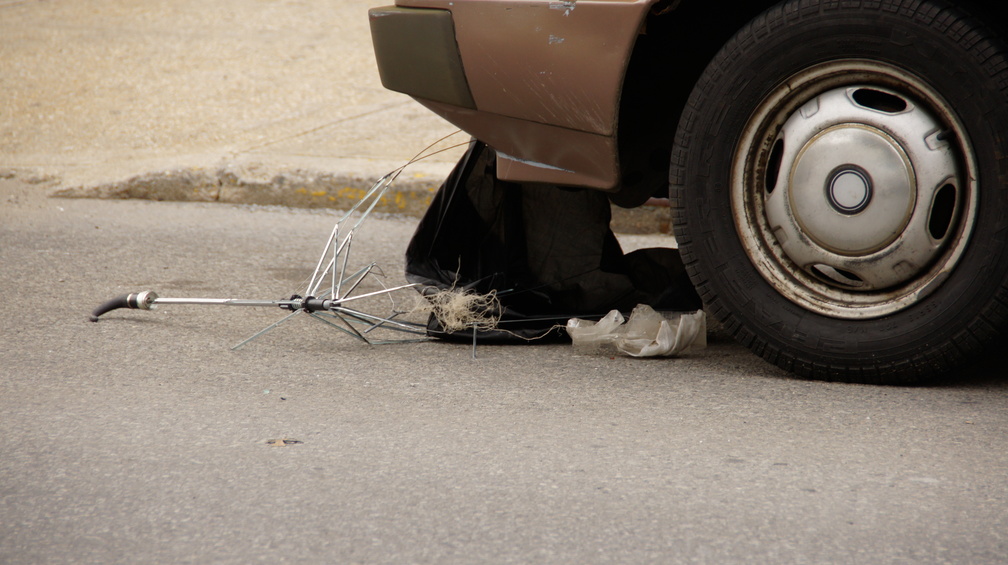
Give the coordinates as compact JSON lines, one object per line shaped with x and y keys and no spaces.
{"x":863,"y":197}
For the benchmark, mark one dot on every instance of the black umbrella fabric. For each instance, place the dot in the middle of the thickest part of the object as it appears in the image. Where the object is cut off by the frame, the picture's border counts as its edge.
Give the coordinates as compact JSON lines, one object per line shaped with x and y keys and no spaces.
{"x":545,"y":252}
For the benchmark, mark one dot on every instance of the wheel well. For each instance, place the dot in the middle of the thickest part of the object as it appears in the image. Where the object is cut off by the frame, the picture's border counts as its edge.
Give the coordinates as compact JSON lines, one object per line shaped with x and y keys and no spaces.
{"x":675,"y":45}
{"x":679,"y":39}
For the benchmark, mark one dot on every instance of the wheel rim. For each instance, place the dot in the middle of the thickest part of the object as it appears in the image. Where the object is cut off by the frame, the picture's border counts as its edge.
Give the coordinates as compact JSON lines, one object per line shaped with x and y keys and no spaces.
{"x":854,"y":189}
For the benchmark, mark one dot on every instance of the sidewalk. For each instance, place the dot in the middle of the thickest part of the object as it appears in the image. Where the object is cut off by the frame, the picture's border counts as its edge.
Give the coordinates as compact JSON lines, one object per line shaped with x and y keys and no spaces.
{"x":249,"y":101}
{"x":264,"y":101}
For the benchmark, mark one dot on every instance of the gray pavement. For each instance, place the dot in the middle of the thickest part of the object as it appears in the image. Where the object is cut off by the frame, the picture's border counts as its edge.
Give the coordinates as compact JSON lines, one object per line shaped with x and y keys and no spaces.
{"x":145,"y":439}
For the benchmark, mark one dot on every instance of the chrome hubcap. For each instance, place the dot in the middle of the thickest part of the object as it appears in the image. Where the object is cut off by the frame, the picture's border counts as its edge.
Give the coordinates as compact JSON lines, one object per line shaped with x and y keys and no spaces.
{"x":863,"y":196}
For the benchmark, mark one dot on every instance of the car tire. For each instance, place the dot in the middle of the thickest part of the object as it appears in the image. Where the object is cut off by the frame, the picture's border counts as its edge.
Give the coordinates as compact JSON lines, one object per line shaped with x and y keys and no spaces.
{"x":839,"y":185}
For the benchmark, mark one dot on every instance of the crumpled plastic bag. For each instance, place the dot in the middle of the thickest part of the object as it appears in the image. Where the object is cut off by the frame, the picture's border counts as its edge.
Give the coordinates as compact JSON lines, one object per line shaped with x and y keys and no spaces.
{"x":647,"y":334}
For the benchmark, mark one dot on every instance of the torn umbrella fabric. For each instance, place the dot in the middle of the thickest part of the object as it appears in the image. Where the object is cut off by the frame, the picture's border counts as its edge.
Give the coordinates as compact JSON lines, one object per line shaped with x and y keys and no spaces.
{"x":547,"y":252}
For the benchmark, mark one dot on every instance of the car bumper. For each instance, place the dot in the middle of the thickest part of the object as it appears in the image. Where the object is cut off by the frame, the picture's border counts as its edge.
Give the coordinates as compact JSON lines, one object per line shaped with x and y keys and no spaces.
{"x":538,"y":81}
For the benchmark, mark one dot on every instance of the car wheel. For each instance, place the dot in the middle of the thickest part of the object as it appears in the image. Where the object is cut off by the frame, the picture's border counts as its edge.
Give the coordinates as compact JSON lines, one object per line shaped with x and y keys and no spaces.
{"x":840,"y":188}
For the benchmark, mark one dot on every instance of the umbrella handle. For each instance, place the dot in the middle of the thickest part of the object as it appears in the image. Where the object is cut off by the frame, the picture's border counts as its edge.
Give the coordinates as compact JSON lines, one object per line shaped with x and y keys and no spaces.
{"x":135,"y":301}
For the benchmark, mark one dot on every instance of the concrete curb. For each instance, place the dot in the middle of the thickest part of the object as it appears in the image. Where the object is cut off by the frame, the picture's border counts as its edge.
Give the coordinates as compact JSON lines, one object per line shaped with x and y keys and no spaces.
{"x":297,"y":188}
{"x":408,"y":195}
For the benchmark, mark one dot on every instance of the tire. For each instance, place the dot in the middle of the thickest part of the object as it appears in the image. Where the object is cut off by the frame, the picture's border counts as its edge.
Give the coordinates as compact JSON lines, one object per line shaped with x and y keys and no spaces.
{"x":839,"y":186}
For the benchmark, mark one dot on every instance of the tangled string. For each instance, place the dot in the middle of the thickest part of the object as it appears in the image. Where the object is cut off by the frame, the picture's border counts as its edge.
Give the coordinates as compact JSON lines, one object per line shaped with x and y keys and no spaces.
{"x":463,"y":309}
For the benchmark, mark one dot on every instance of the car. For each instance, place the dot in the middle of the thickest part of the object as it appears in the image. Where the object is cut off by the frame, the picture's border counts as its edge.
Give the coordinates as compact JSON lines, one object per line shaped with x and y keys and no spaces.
{"x":837,"y":171}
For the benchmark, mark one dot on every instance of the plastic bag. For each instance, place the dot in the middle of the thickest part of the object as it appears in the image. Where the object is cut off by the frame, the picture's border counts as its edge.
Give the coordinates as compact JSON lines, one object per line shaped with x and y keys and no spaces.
{"x":648,"y":333}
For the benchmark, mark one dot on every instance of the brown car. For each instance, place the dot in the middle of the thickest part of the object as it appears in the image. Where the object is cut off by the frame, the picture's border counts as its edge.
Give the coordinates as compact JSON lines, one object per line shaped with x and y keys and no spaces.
{"x":838,"y":171}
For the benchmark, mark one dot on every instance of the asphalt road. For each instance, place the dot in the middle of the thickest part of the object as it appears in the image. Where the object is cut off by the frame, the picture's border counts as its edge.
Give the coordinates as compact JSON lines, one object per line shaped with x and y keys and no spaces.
{"x":144,"y":438}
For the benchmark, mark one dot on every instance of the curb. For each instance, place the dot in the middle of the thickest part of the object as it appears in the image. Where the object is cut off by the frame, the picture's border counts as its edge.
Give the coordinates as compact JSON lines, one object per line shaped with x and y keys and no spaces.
{"x":294,"y":188}
{"x":301,"y":188}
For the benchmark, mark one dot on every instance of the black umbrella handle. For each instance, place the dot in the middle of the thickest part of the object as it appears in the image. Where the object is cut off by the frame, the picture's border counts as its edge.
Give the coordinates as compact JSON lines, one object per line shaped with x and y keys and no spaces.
{"x":135,"y":301}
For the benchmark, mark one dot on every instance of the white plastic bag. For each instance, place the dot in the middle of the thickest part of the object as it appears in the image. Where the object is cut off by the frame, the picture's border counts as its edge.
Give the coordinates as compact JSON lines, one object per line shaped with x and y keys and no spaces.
{"x":647,"y":334}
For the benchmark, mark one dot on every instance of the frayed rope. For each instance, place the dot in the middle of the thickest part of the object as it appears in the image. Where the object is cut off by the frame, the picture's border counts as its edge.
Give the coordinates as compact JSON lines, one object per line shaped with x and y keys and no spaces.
{"x":458,"y":310}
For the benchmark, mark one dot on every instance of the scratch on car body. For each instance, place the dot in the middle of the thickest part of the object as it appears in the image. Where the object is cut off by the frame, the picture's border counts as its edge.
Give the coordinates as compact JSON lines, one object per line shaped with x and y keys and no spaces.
{"x":533,"y":163}
{"x":556,"y":106}
{"x":567,"y":6}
